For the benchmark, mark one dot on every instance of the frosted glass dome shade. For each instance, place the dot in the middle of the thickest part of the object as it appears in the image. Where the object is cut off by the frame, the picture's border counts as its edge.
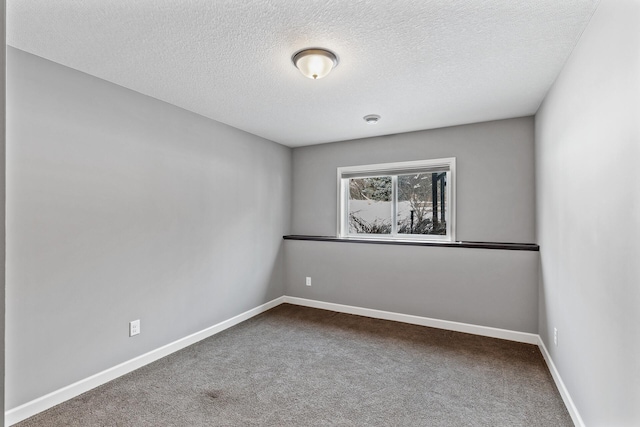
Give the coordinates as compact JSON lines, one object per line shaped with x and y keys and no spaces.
{"x":315,"y":63}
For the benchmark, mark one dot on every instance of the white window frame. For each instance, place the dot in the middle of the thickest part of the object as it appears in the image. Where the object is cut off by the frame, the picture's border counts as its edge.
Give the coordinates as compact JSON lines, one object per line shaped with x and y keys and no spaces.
{"x":394,"y":169}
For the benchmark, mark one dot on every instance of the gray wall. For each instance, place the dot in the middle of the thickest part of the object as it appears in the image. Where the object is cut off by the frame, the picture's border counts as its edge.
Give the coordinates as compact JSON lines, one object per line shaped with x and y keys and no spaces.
{"x":495,"y":196}
{"x":483,"y":287}
{"x":495,"y":177}
{"x":588,"y":196}
{"x":2,"y":202}
{"x":122,"y":207}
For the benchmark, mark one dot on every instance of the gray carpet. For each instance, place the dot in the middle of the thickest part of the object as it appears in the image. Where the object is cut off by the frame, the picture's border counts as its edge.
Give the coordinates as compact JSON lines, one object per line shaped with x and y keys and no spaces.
{"x":296,"y":366}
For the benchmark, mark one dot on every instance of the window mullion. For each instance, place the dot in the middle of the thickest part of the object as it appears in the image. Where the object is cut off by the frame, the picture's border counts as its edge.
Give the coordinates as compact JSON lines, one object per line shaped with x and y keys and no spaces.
{"x":343,"y":204}
{"x":394,"y":205}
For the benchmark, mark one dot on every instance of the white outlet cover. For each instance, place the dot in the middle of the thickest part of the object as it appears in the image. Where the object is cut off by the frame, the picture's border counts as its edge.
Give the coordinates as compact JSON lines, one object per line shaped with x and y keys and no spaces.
{"x":134,"y":327}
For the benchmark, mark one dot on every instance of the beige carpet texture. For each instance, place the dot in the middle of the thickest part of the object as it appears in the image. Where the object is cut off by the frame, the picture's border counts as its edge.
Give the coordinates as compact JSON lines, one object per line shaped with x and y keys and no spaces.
{"x":298,"y":366}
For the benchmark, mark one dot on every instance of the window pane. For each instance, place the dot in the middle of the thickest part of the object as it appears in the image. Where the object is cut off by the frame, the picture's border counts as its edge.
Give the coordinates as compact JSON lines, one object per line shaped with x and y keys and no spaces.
{"x":422,"y":203}
{"x":370,"y":205}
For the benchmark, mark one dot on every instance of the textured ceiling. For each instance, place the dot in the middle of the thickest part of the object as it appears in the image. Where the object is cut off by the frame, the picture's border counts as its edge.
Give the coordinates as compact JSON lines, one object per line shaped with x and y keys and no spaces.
{"x":420,"y":64}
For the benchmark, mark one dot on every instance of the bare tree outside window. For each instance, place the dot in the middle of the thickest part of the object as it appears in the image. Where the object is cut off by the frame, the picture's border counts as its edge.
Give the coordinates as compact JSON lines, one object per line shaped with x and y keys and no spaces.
{"x":422,"y":203}
{"x":370,"y":205}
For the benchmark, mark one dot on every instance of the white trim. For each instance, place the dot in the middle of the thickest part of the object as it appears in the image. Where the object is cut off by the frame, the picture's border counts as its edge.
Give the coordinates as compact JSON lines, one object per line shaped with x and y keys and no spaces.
{"x":40,"y":404}
{"x":468,"y":328}
{"x":342,"y":201}
{"x":382,"y":169}
{"x":394,"y":207}
{"x":523,"y":337}
{"x":43,"y":403}
{"x":566,"y":397}
{"x":451,"y":189}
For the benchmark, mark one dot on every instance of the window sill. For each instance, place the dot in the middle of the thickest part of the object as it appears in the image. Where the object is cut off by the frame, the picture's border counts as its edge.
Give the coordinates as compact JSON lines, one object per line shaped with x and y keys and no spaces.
{"x":476,"y":245}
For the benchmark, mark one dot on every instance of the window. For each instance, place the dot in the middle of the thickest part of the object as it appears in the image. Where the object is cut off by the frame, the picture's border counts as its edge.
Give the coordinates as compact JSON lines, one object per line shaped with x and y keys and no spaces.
{"x":398,"y":201}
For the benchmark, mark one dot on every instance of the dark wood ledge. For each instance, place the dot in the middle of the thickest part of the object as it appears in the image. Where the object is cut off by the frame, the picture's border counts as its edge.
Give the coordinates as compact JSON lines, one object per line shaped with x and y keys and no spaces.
{"x":477,"y":245}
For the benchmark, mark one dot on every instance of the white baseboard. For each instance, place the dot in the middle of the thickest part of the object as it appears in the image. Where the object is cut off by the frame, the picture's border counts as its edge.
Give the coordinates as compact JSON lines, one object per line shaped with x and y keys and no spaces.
{"x":566,"y":397}
{"x":486,"y":331}
{"x":523,"y":337}
{"x":40,"y":404}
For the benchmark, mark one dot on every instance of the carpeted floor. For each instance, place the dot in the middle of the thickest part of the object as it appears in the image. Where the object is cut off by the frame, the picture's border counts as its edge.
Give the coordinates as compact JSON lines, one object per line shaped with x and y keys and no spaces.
{"x":297,"y":366}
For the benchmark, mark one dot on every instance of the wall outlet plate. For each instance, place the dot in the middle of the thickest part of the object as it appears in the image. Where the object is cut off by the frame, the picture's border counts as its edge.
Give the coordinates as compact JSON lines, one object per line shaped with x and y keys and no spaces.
{"x":308,"y":282}
{"x":134,"y":327}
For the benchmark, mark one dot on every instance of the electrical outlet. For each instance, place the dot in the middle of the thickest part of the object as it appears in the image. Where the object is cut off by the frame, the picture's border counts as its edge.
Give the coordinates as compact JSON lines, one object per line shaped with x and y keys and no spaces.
{"x":308,"y":281}
{"x":134,"y":327}
{"x":555,"y":336}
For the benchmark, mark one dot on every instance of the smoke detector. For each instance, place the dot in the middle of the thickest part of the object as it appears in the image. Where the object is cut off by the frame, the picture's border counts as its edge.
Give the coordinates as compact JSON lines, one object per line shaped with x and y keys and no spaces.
{"x":371,"y":119}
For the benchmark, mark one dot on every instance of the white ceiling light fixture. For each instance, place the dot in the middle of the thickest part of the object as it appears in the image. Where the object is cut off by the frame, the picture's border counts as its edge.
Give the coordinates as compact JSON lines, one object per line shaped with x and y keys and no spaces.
{"x":315,"y":63}
{"x":371,"y":119}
